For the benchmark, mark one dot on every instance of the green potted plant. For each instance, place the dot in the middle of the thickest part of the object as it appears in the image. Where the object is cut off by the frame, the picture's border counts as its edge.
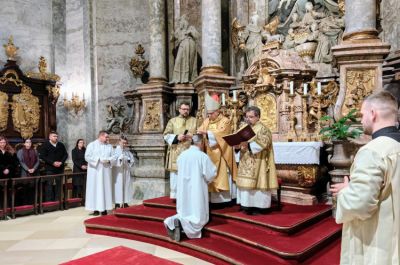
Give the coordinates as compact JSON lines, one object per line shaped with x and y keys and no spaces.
{"x":339,"y":132}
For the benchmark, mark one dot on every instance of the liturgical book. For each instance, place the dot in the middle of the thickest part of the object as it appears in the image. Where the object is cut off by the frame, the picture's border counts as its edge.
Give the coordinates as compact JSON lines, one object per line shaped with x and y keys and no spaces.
{"x":243,"y":135}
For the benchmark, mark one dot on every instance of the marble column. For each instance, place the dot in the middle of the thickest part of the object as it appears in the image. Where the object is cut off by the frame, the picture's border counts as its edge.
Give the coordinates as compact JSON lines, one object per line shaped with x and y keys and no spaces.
{"x":359,"y":57}
{"x":148,"y":142}
{"x":212,"y":76}
{"x":211,"y":32}
{"x":360,"y":19}
{"x":158,"y":63}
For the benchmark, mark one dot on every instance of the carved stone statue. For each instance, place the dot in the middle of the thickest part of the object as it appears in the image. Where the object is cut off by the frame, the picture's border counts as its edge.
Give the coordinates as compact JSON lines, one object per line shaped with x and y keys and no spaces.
{"x":116,"y":120}
{"x":252,"y":39}
{"x":330,"y":31}
{"x":185,"y":67}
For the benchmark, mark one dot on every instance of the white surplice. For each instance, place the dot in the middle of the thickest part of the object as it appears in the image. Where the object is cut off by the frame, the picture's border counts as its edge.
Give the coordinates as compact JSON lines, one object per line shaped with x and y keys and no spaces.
{"x":195,"y":171}
{"x":253,"y":198}
{"x":100,"y":158}
{"x":123,"y":190}
{"x":169,"y":138}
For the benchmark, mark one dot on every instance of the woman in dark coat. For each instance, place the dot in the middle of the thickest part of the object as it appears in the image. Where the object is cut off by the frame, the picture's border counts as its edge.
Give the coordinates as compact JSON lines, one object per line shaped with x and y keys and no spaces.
{"x":80,"y":165}
{"x":29,"y":160}
{"x":8,"y":163}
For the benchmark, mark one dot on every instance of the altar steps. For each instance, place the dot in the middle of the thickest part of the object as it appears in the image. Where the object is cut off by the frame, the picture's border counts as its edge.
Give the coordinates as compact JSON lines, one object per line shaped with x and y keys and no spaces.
{"x":232,"y":237}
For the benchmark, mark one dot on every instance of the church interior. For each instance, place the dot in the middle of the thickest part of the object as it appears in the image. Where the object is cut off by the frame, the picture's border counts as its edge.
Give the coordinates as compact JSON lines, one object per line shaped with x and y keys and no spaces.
{"x":81,"y":66}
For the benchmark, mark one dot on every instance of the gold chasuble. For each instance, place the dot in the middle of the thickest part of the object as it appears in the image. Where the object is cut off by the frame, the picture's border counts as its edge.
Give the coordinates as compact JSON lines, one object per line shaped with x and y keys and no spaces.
{"x":257,"y":171}
{"x":221,"y":154}
{"x":177,"y":126}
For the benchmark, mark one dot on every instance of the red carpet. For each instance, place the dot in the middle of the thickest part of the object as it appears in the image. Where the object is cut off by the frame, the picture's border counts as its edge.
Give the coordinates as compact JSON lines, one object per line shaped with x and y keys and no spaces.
{"x":294,"y":235}
{"x":120,"y":256}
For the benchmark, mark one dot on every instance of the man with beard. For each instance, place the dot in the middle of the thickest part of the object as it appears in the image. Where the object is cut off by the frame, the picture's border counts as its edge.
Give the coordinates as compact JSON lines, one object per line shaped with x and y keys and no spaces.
{"x":178,"y":135}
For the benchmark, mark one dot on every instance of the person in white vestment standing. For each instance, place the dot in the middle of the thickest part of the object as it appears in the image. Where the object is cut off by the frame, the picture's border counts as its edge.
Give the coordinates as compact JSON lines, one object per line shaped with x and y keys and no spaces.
{"x":123,"y":191}
{"x":100,"y":157}
{"x":368,"y":205}
{"x":195,"y":171}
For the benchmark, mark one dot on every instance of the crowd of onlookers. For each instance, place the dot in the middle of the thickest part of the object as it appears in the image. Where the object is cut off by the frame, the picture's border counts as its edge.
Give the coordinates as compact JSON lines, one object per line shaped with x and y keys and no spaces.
{"x":109,"y":172}
{"x":47,"y":158}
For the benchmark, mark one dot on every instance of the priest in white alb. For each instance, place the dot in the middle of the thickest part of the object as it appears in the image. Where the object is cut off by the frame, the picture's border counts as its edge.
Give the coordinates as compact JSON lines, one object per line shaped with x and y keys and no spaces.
{"x":123,"y":190}
{"x":100,"y":157}
{"x":195,"y":171}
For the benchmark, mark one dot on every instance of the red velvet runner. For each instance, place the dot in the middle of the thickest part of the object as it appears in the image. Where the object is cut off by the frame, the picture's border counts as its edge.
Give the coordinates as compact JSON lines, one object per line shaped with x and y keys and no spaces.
{"x":120,"y":256}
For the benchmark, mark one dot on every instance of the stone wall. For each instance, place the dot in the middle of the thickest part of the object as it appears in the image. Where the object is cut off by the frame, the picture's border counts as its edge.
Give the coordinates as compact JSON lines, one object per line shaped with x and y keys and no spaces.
{"x":119,"y":27}
{"x":31,"y":26}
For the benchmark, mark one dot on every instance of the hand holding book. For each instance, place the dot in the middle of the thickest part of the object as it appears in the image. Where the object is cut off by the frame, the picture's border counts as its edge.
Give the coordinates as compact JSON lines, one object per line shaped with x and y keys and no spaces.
{"x":243,"y":135}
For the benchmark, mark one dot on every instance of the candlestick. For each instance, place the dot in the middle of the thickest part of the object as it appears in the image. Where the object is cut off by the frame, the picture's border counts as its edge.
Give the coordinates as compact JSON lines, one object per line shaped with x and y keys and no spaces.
{"x":305,"y":86}
{"x":291,"y":87}
{"x":234,"y":96}
{"x":319,"y":88}
{"x":223,"y":99}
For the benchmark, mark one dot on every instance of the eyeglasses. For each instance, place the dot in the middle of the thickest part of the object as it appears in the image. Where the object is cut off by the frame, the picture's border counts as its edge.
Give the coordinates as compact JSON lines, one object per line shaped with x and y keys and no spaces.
{"x":184,"y":109}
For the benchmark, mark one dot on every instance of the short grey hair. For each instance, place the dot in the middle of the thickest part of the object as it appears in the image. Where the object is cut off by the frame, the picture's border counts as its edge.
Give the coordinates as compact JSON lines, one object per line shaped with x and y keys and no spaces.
{"x":254,"y":109}
{"x":197,"y":138}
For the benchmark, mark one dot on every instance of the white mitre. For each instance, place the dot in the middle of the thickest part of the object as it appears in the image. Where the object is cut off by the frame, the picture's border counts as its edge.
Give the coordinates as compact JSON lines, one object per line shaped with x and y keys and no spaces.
{"x":210,"y":103}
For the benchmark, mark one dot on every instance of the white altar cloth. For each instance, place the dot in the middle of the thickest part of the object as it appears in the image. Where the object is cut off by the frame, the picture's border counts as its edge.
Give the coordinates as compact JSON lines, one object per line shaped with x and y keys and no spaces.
{"x":297,"y":152}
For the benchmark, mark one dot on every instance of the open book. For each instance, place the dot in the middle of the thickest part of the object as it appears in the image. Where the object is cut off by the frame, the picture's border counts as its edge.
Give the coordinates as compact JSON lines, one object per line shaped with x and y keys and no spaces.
{"x":243,"y":135}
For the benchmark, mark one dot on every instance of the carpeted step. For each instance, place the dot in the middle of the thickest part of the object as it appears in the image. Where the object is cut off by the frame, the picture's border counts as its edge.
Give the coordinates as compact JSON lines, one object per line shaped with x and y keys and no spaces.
{"x":295,"y":246}
{"x":291,"y":218}
{"x":218,"y":249}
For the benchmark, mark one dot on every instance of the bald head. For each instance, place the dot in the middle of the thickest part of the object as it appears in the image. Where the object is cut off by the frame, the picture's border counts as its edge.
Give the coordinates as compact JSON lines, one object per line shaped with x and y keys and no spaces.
{"x":379,"y":110}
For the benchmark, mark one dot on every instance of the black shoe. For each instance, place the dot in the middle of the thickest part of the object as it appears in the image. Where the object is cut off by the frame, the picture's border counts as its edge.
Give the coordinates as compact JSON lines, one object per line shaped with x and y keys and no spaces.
{"x":117,"y":205}
{"x":170,"y":232}
{"x":95,"y":213}
{"x":177,"y":230}
{"x":126,"y":205}
{"x":104,"y":213}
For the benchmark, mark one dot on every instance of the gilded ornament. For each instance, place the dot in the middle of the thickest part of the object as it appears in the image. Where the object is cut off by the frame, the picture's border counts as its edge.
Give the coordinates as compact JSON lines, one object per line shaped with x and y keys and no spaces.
{"x":4,"y":105}
{"x":307,"y":175}
{"x":359,"y":84}
{"x":267,"y":105}
{"x":237,"y":29}
{"x":138,"y":64}
{"x":152,"y":121}
{"x":11,"y":49}
{"x":43,"y":74}
{"x":25,"y":112}
{"x":54,"y":93}
{"x":201,"y":111}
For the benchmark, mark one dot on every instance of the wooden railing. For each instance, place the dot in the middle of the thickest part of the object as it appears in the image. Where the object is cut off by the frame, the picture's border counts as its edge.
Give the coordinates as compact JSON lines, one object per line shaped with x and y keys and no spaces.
{"x":9,"y":188}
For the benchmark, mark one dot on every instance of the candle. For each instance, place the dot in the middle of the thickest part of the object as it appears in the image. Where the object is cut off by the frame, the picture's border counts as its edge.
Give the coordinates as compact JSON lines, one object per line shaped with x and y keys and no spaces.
{"x":291,"y":87}
{"x":319,"y":88}
{"x":234,"y":96}
{"x":65,"y":95}
{"x":83,"y":95}
{"x":305,"y":86}
{"x":223,"y":99}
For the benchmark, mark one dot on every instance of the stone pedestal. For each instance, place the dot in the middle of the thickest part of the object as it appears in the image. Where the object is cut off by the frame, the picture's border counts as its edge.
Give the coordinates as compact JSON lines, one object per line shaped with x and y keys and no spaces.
{"x":359,"y":56}
{"x":183,"y":93}
{"x":211,"y":79}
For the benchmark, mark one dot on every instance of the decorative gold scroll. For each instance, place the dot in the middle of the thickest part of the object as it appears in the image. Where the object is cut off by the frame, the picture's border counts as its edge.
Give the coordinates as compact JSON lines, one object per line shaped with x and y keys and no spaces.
{"x":359,"y":84}
{"x":3,"y":111}
{"x":152,"y":121}
{"x":267,"y":105}
{"x":25,"y":112}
